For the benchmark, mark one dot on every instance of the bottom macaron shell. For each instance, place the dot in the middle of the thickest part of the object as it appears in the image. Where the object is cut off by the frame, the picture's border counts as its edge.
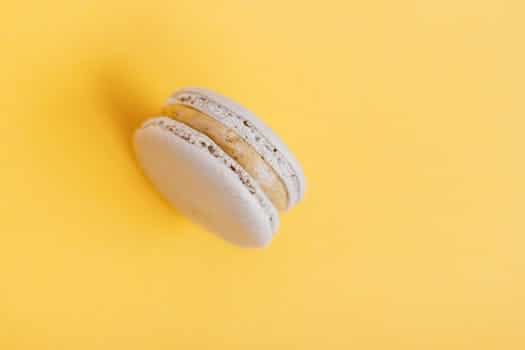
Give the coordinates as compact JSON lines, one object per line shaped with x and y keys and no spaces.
{"x":202,"y":187}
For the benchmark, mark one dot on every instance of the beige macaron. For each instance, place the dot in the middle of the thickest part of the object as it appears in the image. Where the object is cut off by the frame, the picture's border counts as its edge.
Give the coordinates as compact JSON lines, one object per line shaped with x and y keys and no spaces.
{"x":220,"y":165}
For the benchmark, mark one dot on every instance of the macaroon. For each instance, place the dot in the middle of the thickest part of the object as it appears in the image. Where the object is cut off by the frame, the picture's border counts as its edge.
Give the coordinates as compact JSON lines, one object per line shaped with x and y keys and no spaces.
{"x":218,"y":164}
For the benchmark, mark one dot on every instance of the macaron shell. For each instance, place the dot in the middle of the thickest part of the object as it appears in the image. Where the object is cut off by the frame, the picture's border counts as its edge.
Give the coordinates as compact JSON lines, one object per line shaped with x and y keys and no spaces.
{"x":202,"y":187}
{"x":295,"y":194}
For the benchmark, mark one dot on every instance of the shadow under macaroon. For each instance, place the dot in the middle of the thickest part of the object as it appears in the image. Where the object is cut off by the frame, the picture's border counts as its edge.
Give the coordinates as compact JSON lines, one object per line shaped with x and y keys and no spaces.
{"x":127,"y":101}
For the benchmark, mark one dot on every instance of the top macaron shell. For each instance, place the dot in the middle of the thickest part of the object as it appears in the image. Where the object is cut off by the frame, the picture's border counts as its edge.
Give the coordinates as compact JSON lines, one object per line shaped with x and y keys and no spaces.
{"x":253,"y":131}
{"x":204,"y":183}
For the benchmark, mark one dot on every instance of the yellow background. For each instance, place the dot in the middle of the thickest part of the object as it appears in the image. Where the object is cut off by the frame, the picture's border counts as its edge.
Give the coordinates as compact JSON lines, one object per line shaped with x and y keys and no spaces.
{"x":408,"y":117}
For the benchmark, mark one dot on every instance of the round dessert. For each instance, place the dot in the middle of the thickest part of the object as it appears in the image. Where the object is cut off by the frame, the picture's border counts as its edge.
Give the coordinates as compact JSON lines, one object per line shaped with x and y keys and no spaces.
{"x":220,"y":165}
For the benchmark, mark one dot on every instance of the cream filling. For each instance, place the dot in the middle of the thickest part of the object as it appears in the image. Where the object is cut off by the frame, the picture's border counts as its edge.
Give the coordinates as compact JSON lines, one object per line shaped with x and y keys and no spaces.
{"x":233,"y":117}
{"x":235,"y":147}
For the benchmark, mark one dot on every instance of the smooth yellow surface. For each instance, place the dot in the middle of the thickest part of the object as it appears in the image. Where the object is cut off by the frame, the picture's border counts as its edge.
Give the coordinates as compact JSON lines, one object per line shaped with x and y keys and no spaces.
{"x":409,"y":119}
